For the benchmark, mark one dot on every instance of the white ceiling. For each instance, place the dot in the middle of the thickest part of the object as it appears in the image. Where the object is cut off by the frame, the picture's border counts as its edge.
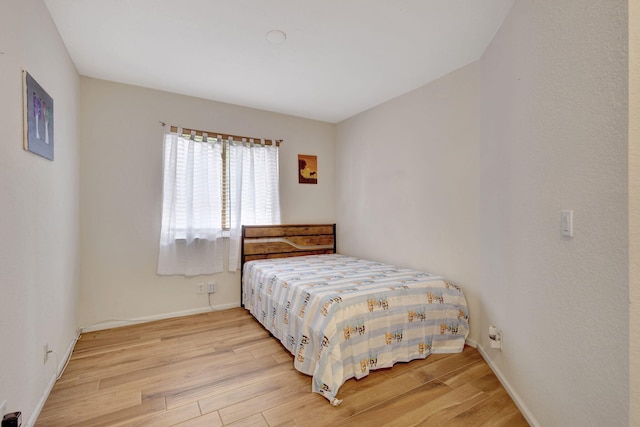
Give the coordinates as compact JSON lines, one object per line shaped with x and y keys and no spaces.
{"x":340,"y":57}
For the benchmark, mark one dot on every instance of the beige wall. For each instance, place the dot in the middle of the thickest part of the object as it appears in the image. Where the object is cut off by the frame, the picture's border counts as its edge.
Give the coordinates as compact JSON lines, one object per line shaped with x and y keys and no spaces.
{"x":39,"y":273}
{"x":121,"y":195}
{"x":634,"y":211}
{"x":554,"y":136}
{"x":491,"y":155}
{"x":407,"y":182}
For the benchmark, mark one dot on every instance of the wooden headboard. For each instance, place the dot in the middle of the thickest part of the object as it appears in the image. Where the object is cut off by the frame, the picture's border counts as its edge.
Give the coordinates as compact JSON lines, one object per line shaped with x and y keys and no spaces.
{"x":279,"y":241}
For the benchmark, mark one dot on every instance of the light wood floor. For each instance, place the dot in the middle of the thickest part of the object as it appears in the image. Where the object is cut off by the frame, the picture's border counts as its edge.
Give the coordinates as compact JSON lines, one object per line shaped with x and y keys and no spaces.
{"x":222,"y":368}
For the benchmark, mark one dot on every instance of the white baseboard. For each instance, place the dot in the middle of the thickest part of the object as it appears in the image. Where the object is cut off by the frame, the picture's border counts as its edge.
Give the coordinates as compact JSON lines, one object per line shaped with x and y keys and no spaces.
{"x":116,"y":323}
{"x":52,"y":381}
{"x":516,"y":398}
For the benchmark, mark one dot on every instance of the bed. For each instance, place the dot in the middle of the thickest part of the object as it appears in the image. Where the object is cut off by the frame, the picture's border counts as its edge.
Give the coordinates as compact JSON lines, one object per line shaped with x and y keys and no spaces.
{"x":340,"y":316}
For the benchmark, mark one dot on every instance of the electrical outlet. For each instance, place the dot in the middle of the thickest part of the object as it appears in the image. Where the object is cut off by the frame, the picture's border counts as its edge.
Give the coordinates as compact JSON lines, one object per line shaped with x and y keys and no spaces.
{"x":3,"y":408}
{"x":211,"y":287}
{"x":201,"y":288}
{"x":46,"y":353}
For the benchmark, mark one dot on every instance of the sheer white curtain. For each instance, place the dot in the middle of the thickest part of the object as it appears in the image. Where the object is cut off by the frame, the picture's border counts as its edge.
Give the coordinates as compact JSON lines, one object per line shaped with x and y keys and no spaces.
{"x":191,"y":232}
{"x":256,"y":186}
{"x":191,"y":235}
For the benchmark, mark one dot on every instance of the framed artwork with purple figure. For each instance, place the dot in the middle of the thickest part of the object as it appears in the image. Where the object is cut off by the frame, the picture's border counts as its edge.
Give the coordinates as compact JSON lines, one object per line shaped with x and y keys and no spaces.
{"x":38,"y":118}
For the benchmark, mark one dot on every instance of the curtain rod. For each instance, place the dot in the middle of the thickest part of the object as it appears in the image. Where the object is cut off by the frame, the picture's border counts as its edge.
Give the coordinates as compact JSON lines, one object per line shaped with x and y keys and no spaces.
{"x":187,"y":132}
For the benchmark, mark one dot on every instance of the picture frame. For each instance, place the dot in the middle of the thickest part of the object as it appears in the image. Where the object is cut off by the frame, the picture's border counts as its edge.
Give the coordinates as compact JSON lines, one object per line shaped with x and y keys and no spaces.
{"x":307,"y":169}
{"x":37,"y":118}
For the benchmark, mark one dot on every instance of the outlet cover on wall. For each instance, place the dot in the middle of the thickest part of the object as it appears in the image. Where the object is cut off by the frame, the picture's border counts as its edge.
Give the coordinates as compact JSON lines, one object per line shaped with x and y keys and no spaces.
{"x":3,"y":408}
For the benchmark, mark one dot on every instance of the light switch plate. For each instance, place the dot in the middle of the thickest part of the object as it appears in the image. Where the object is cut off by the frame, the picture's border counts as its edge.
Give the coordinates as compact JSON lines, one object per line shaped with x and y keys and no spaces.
{"x":3,"y":408}
{"x":567,"y":223}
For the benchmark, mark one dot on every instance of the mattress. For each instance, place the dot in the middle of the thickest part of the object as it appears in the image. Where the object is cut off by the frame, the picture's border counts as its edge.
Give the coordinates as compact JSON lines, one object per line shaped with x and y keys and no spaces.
{"x":342,"y":317}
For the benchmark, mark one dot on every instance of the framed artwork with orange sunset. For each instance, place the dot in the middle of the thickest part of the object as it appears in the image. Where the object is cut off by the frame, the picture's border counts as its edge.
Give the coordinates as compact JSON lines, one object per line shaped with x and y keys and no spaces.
{"x":307,"y":169}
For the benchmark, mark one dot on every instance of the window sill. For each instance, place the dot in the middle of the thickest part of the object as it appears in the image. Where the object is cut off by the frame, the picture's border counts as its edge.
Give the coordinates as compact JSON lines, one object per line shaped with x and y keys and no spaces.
{"x":181,"y":237}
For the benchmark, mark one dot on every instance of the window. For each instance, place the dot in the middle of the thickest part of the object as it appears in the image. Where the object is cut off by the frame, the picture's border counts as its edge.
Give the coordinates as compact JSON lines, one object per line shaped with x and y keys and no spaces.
{"x":212,"y":186}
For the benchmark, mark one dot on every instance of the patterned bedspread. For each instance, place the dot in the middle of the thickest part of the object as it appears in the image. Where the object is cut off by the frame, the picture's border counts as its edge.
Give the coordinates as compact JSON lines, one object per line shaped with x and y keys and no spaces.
{"x":342,"y":317}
